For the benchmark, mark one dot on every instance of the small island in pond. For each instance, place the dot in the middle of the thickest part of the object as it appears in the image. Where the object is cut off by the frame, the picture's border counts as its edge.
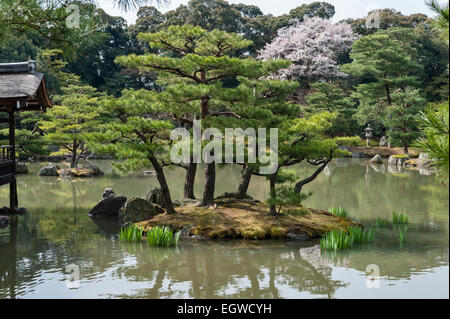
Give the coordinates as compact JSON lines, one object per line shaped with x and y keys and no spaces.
{"x":249,"y":219}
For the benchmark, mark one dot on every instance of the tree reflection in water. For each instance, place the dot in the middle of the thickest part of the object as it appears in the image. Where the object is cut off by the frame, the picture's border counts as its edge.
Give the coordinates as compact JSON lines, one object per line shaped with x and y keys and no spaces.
{"x":57,"y":232}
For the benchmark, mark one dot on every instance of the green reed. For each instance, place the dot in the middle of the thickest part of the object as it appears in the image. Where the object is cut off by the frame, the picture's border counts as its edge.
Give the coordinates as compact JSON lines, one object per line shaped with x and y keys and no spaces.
{"x":131,"y":234}
{"x":400,"y":219}
{"x":162,"y":236}
{"x":336,"y":240}
{"x":360,"y":235}
{"x":338,"y":211}
{"x":339,"y":239}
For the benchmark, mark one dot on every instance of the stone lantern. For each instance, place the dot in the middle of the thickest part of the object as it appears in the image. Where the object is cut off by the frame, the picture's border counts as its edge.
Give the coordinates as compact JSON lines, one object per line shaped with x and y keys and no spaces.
{"x":369,"y":131}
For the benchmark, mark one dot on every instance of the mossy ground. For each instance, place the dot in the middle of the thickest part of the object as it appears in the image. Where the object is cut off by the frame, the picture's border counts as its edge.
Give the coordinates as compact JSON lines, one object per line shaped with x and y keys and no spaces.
{"x":248,"y":220}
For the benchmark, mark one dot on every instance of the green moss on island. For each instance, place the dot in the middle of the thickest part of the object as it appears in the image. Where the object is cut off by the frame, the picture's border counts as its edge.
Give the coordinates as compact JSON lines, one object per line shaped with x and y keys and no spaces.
{"x":248,"y":219}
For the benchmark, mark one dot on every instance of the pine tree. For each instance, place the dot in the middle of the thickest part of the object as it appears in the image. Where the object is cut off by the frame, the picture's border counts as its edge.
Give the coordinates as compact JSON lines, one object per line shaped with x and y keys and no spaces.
{"x":74,"y":115}
{"x":301,"y":137}
{"x":304,"y":140}
{"x":402,"y":117}
{"x":199,"y":78}
{"x":330,"y":97}
{"x":387,"y":62}
{"x":136,"y":137}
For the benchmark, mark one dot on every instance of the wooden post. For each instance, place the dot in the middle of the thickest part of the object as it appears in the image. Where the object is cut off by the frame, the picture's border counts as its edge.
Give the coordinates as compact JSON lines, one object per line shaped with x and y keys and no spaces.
{"x":13,"y":201}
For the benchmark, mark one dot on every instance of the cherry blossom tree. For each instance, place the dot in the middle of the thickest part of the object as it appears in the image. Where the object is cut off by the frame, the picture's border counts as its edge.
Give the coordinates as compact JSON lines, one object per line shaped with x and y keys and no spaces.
{"x":313,"y":46}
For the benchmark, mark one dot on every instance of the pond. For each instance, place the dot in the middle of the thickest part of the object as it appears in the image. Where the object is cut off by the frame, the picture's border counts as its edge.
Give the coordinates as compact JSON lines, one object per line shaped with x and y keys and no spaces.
{"x":56,"y":238}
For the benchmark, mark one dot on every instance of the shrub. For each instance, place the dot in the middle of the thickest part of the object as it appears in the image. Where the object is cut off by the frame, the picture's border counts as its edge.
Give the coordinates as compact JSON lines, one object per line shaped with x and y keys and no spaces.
{"x":286,"y":196}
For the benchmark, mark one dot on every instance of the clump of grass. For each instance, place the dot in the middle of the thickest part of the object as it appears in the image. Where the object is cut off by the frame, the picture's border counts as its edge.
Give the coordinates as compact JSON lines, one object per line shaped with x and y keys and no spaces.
{"x":400,"y":219}
{"x":336,"y":240}
{"x":131,"y":234}
{"x":338,"y":211}
{"x":162,"y":236}
{"x":339,"y":239}
{"x":380,"y":223}
{"x":360,"y":235}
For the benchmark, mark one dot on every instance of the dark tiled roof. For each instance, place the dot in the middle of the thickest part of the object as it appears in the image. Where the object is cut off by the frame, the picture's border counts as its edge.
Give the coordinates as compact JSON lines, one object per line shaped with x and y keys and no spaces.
{"x":20,"y":85}
{"x":20,"y":81}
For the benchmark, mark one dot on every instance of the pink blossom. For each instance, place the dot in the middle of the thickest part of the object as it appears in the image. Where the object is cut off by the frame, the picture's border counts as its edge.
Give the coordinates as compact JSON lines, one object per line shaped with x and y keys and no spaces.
{"x":313,"y":46}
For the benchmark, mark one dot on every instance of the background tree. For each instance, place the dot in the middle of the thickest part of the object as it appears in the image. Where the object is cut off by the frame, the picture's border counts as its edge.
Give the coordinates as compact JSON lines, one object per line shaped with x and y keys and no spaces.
{"x":247,"y":20}
{"x":388,"y":62}
{"x":314,"y":47}
{"x":402,"y":115}
{"x":322,"y":10}
{"x":433,"y":53}
{"x":330,"y":97}
{"x":29,"y":139}
{"x":389,"y":18}
{"x":74,"y":115}
{"x":433,"y":77}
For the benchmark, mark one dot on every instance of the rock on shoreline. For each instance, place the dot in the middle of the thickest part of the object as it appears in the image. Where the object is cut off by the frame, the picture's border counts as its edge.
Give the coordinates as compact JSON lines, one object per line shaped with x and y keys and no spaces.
{"x":88,"y":170}
{"x":109,"y":206}
{"x":49,"y":170}
{"x":138,"y":210}
{"x":398,"y":160}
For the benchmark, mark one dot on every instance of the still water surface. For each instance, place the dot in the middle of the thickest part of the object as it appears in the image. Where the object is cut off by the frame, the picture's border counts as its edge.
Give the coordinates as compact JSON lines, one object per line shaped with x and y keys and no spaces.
{"x":56,"y":232}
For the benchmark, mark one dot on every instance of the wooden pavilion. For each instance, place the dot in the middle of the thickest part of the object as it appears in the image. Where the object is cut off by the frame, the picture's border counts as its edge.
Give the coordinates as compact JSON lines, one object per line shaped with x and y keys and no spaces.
{"x":21,"y":89}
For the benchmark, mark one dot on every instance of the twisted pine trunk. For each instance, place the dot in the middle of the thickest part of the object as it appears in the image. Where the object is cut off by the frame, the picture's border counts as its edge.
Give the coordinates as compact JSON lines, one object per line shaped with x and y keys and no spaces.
{"x":209,"y":189}
{"x":190,"y":181}
{"x":273,"y":193}
{"x":245,"y":182}
{"x":163,"y":183}
{"x":73,"y":160}
{"x":299,"y":185}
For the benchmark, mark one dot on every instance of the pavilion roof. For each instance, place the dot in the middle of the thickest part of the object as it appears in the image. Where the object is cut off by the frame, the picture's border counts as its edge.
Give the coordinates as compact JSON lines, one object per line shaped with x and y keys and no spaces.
{"x":22,"y":88}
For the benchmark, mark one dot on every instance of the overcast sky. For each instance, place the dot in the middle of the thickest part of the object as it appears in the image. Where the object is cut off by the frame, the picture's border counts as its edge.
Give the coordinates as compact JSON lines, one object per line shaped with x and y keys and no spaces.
{"x":344,"y":8}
